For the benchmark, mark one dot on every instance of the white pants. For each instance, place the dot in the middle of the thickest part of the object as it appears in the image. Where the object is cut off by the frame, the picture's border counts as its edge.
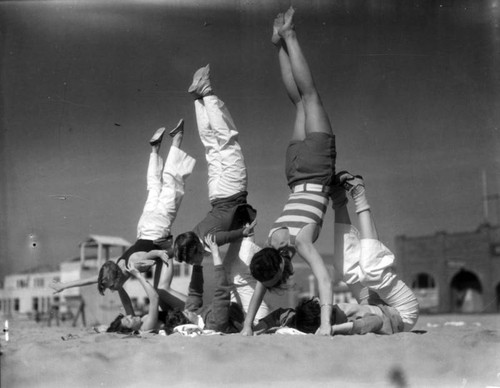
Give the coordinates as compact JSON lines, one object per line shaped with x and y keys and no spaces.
{"x":237,"y":262}
{"x":368,"y":264}
{"x":227,"y":173}
{"x":164,"y":195}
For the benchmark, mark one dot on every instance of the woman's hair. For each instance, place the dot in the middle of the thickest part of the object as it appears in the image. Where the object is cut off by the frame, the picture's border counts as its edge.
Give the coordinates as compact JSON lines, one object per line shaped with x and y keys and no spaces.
{"x":308,"y":316}
{"x":186,"y":246}
{"x":117,"y":327}
{"x":174,"y":318}
{"x":267,"y":263}
{"x":109,"y":276}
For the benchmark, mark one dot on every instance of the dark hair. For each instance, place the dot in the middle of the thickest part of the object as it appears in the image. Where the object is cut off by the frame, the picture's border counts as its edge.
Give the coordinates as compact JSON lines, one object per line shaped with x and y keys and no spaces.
{"x":266,"y":263}
{"x":186,"y":246}
{"x":109,"y":276}
{"x":174,"y":318}
{"x":308,"y":316}
{"x":117,"y":327}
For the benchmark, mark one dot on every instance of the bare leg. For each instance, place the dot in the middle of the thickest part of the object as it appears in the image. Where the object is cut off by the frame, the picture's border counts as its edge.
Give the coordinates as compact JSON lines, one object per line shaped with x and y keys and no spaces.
{"x":316,"y":119}
{"x":299,"y":130}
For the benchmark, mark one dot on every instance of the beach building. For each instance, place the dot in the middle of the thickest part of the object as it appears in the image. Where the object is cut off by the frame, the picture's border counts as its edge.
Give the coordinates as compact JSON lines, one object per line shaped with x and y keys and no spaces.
{"x":29,"y":292}
{"x":453,"y":272}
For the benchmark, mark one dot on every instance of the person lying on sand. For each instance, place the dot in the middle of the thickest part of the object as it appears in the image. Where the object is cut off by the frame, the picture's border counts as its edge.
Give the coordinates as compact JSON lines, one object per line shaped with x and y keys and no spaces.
{"x":310,"y":161}
{"x":133,"y":323}
{"x":154,"y":240}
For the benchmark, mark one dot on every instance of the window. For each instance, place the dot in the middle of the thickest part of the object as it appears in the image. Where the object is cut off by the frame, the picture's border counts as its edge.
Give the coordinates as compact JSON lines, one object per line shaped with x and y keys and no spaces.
{"x":39,"y":283}
{"x":16,"y":304}
{"x":177,"y":270}
{"x":423,"y":280}
{"x":22,"y":283}
{"x":34,"y":305}
{"x":186,"y":270}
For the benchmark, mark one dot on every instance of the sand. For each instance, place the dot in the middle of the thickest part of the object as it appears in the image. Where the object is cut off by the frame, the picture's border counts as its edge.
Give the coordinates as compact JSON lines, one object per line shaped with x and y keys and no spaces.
{"x":448,"y":351}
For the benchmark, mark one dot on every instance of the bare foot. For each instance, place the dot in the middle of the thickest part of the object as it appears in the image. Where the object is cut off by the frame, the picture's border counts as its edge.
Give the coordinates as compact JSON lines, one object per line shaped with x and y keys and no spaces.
{"x":278,"y":23}
{"x":288,"y":26}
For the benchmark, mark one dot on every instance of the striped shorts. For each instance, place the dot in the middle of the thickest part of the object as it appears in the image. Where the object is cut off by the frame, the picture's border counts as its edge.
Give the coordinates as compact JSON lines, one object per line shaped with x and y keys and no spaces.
{"x":302,"y":208}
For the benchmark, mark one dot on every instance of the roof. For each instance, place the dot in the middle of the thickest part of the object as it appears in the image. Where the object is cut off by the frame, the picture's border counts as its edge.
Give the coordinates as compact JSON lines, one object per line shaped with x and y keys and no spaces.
{"x":39,"y":269}
{"x":95,"y":239}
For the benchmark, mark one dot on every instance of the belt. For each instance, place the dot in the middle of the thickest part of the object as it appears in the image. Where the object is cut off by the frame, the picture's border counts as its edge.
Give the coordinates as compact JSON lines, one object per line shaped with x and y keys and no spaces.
{"x":316,"y":187}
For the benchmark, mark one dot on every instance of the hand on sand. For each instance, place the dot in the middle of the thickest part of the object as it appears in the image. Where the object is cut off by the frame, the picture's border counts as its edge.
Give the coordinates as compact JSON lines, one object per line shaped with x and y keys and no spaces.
{"x":325,"y":331}
{"x":247,"y":332}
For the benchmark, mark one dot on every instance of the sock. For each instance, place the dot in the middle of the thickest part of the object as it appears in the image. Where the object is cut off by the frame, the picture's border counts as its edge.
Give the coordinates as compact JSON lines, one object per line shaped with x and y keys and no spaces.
{"x":359,"y":198}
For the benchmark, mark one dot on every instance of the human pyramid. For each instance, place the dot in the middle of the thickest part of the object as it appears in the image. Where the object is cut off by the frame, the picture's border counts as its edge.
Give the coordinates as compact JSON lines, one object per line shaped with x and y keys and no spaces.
{"x":386,"y":305}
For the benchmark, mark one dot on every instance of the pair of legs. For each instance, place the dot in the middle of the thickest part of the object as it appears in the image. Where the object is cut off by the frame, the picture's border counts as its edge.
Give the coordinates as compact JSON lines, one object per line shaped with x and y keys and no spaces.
{"x":367,"y":262}
{"x":310,"y":120}
{"x":227,"y":173}
{"x":165,"y":186}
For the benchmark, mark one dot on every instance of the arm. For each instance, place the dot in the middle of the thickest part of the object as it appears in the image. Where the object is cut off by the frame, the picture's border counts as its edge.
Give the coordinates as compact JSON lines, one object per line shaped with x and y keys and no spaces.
{"x":306,"y":249}
{"x":58,"y":286}
{"x":144,"y":260}
{"x":195,"y":294}
{"x":218,"y":319}
{"x":126,"y":302}
{"x":255,"y":302}
{"x":368,"y":324}
{"x":342,"y":328}
{"x":225,"y":237}
{"x":151,"y":319}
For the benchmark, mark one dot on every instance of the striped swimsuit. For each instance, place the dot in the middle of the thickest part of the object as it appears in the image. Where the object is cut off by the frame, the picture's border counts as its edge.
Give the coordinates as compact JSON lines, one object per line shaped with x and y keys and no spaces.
{"x":302,"y":208}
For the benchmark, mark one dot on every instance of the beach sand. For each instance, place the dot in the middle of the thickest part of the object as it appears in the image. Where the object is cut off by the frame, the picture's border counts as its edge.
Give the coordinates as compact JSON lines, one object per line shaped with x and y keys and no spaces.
{"x":445,"y":351}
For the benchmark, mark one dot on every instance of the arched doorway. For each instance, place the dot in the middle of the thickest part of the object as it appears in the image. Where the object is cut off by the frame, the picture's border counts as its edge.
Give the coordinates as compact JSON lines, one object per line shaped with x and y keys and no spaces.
{"x":466,"y":293}
{"x":424,"y":287}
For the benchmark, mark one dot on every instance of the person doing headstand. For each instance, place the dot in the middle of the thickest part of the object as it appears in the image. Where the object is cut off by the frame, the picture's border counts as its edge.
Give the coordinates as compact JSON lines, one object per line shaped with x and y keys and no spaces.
{"x":310,"y":166}
{"x":166,"y":185}
{"x":231,"y":217}
{"x":368,"y":263}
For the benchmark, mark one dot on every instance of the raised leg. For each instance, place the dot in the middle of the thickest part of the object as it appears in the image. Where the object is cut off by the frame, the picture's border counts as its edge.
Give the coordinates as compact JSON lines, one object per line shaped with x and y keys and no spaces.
{"x":316,"y":119}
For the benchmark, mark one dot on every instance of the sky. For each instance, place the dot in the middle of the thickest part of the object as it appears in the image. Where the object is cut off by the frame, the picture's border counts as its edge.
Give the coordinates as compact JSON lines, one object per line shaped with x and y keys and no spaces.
{"x":412,"y":90}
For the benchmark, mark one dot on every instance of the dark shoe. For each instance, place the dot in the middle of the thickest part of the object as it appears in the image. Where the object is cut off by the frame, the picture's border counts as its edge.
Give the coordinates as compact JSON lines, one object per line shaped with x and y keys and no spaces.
{"x":178,"y":128}
{"x":157,"y":137}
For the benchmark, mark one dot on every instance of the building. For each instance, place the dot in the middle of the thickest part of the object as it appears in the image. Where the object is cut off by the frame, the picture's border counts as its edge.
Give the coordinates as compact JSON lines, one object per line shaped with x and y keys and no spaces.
{"x":453,"y":272}
{"x":29,"y":292}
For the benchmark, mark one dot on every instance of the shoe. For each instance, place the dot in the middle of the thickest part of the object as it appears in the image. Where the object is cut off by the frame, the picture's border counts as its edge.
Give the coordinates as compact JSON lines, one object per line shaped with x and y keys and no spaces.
{"x":201,"y":83}
{"x":156,"y":139}
{"x":353,"y":184}
{"x":177,"y":129}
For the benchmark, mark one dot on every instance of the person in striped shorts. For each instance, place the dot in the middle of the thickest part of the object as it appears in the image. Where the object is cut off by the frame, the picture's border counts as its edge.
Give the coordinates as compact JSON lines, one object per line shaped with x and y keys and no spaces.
{"x":310,"y":167}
